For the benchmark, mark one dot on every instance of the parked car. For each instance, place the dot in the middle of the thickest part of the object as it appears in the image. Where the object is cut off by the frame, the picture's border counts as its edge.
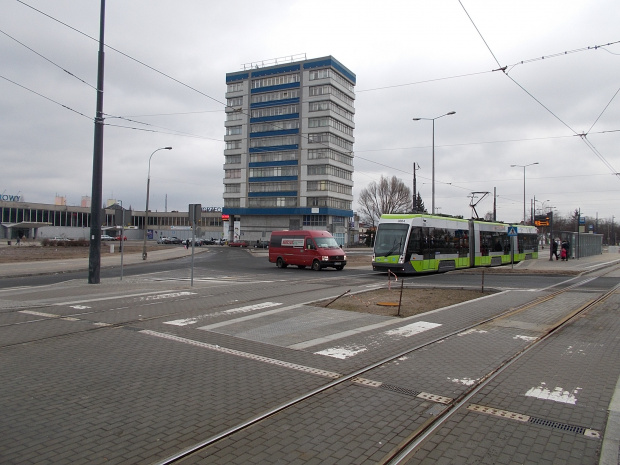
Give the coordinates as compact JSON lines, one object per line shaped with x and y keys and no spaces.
{"x":105,"y":237}
{"x":238,"y":244}
{"x":174,"y":240}
{"x":261,"y":244}
{"x":208,"y":242}
{"x":162,"y":240}
{"x":118,"y":238}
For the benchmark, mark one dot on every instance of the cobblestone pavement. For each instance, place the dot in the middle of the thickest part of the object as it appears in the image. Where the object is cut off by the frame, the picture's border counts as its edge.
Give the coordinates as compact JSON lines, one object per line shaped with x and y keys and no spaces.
{"x":134,"y":372}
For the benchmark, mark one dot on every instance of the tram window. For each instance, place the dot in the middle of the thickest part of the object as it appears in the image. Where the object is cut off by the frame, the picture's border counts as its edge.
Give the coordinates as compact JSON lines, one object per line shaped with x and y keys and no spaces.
{"x":415,"y":244}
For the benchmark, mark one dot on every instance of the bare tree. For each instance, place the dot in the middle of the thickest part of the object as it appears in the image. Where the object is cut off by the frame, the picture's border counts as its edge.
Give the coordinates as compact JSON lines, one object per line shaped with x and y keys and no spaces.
{"x":387,"y":196}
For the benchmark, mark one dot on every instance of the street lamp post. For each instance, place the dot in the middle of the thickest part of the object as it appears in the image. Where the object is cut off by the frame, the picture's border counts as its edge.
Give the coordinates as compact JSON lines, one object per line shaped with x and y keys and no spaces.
{"x":524,"y":166}
{"x":433,"y":162}
{"x":146,"y":210}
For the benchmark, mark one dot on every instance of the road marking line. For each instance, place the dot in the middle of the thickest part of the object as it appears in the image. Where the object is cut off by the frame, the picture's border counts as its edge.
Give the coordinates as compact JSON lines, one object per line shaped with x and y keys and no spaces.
{"x":45,"y":315}
{"x":238,"y":353}
{"x":232,"y":311}
{"x":100,"y":299}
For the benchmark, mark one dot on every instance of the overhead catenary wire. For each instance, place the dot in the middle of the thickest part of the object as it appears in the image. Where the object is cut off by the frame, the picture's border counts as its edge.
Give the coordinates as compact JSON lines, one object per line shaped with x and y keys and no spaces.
{"x":358,"y":91}
{"x":584,"y":138}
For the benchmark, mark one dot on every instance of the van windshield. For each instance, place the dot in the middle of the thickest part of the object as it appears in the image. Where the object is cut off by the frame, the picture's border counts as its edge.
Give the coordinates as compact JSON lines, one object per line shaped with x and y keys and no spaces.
{"x":326,"y":243}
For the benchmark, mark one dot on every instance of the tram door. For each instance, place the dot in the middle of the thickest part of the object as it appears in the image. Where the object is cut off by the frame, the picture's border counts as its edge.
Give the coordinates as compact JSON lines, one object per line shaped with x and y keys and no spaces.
{"x":474,"y":238}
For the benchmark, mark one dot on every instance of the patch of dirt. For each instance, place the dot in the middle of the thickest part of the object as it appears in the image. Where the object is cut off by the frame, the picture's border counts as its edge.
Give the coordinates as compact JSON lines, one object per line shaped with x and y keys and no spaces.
{"x":35,"y":252}
{"x":412,"y":302}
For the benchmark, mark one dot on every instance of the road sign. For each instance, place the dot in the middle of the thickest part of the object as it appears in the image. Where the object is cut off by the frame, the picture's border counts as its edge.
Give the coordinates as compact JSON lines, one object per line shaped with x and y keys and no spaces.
{"x":512,"y":230}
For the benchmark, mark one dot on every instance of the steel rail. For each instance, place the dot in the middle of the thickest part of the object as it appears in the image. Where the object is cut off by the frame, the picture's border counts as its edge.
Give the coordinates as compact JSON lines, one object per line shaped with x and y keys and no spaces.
{"x":405,"y":450}
{"x":197,"y":447}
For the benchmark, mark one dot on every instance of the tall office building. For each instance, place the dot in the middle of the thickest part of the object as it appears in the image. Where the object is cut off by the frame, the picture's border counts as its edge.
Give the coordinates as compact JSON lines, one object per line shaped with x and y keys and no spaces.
{"x":289,"y":148}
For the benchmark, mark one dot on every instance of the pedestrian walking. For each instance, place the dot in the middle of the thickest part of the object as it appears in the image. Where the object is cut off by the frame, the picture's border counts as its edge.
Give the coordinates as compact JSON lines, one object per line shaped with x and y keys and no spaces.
{"x":564,"y":253}
{"x":555,"y":249}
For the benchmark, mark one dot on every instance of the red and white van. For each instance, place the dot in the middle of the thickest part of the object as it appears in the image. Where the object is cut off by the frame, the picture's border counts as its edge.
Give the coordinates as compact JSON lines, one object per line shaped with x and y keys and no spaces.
{"x":316,"y":249}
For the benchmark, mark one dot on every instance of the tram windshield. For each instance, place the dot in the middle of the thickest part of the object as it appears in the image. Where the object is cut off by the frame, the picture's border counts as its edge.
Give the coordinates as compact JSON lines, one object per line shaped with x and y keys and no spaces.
{"x":390,"y":239}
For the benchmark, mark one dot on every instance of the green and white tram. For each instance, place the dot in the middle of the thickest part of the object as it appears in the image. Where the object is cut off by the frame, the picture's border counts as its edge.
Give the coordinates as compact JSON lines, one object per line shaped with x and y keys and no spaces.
{"x":418,"y":243}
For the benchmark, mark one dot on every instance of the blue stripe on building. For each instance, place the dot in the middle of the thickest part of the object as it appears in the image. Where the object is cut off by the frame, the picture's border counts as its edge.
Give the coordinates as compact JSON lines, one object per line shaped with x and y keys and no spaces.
{"x":289,"y":85}
{"x":278,"y":70}
{"x":330,"y":61}
{"x":236,"y":77}
{"x":273,"y":194}
{"x":256,"y":164}
{"x":274,"y":103}
{"x":287,"y":211}
{"x":262,"y":119}
{"x":276,"y":148}
{"x":273,"y":178}
{"x":281,"y":132}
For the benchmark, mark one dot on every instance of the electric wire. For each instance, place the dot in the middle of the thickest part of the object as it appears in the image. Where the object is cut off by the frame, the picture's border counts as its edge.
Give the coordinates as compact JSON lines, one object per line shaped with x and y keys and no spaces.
{"x":583,"y":136}
{"x":48,"y":60}
{"x":46,"y":98}
{"x":588,"y":143}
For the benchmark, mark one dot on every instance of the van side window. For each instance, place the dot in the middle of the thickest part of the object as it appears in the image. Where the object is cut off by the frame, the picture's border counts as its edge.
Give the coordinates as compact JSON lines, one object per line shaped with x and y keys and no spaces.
{"x":309,"y":244}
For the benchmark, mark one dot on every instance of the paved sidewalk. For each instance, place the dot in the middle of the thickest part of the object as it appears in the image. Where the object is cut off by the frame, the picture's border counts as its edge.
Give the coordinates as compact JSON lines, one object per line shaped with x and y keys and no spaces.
{"x":108,"y":260}
{"x":576,"y":266}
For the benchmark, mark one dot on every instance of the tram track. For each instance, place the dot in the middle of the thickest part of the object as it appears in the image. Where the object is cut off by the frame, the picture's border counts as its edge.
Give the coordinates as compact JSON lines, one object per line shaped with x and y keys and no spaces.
{"x":448,"y":406}
{"x":407,"y":448}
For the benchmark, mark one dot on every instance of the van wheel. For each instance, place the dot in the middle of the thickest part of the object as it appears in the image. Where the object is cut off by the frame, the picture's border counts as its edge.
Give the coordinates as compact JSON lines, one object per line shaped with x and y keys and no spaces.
{"x":340,"y":267}
{"x":280,"y":263}
{"x":316,"y":265}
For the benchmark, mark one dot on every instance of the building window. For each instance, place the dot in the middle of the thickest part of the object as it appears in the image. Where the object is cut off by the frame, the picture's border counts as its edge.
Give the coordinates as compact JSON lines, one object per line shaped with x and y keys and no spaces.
{"x":331,"y":90}
{"x":330,"y":202}
{"x":326,"y":121}
{"x":234,"y":116}
{"x":232,"y":203}
{"x":270,"y":202}
{"x":266,"y":157}
{"x":234,"y":102}
{"x":315,"y":220}
{"x":232,"y":174}
{"x":325,"y":153}
{"x":325,"y":105}
{"x":271,"y":171}
{"x":329,"y":186}
{"x":232,"y":188}
{"x":273,"y":96}
{"x":275,"y":80}
{"x":235,"y":87}
{"x":233,"y":144}
{"x":272,"y":186}
{"x":234,"y":130}
{"x":326,"y":137}
{"x":274,"y":141}
{"x":233,"y":159}
{"x":314,"y":170}
{"x":331,"y":74}
{"x":283,"y":125}
{"x":275,"y":111}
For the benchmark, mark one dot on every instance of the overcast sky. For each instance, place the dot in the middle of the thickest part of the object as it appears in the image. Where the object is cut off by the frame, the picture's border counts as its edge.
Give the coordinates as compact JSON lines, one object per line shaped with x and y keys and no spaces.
{"x":165,"y":86}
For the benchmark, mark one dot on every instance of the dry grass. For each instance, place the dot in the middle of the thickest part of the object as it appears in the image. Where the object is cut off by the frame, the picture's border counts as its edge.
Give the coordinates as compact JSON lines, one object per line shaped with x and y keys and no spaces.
{"x":412,"y":302}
